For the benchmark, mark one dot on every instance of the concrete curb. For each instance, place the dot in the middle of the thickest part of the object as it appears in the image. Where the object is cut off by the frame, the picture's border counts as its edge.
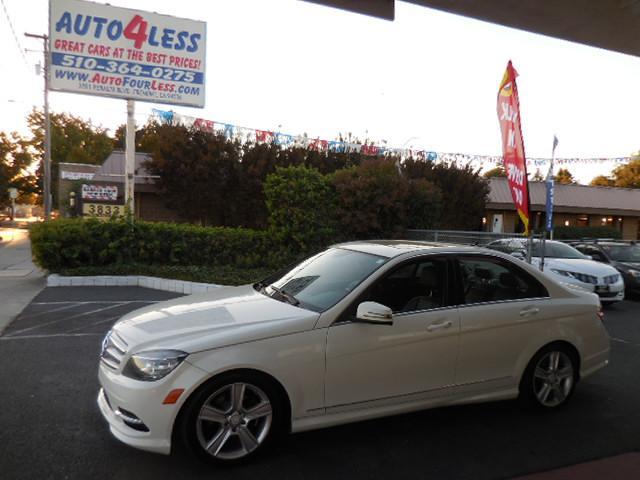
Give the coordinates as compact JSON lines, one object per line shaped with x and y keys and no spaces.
{"x":178,"y":286}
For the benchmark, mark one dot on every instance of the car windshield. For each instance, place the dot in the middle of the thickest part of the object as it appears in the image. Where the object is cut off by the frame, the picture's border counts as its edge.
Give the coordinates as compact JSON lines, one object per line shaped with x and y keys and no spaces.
{"x":555,"y":250}
{"x":323,"y":280}
{"x":623,"y":253}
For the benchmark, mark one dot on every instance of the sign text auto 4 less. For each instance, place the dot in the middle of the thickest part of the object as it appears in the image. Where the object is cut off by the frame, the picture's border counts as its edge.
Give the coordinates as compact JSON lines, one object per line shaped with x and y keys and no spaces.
{"x":103,"y":50}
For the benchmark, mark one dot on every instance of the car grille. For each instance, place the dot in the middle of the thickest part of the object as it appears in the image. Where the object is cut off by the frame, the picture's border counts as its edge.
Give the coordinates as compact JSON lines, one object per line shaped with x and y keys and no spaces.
{"x":113,"y":350}
{"x":609,"y":279}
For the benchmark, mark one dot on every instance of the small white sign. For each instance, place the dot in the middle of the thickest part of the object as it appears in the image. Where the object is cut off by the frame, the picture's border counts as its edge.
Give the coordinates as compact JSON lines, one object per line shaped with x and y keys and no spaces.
{"x":99,"y":192}
{"x":76,"y":175}
{"x":13,"y":193}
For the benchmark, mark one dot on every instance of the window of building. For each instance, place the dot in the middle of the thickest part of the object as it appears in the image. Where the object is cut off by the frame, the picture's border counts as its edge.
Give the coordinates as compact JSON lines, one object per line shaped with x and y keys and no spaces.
{"x":582,"y":221}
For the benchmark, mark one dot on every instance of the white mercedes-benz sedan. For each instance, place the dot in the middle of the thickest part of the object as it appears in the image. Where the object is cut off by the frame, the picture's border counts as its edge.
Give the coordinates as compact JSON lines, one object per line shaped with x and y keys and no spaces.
{"x":358,"y":331}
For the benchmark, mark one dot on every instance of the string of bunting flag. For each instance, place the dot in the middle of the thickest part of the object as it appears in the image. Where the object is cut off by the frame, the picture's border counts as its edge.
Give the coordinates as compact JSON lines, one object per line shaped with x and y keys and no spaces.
{"x":284,"y":139}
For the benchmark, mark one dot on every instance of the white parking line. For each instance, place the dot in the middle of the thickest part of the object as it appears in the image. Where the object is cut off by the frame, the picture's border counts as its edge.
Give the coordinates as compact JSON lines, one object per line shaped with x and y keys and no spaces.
{"x":110,"y":319}
{"x":83,"y":314}
{"x":67,"y":307}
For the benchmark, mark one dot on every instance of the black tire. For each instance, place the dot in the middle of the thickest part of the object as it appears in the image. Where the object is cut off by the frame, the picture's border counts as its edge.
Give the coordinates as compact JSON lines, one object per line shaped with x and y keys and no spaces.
{"x":549,"y":388}
{"x":217,"y":396}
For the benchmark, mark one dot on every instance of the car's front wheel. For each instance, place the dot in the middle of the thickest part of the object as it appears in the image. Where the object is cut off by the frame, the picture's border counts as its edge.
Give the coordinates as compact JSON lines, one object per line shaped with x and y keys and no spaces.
{"x":232,"y":418}
{"x":550,"y":377}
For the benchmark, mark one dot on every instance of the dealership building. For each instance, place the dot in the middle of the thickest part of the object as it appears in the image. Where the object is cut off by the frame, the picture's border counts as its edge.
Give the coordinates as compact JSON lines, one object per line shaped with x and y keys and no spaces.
{"x":574,"y":205}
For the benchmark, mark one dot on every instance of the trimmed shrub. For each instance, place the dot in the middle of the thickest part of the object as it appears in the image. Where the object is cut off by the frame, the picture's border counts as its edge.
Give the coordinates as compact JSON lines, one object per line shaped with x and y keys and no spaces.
{"x":568,"y":233}
{"x":300,"y":202}
{"x":71,"y":243}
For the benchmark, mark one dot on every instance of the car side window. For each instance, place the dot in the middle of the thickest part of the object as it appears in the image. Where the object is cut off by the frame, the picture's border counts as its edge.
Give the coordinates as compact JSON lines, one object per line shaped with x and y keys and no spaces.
{"x":418,"y":285}
{"x":486,"y":279}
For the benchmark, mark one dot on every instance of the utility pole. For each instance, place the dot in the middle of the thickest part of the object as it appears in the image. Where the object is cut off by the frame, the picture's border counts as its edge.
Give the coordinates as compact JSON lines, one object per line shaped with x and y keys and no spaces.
{"x":47,"y":127}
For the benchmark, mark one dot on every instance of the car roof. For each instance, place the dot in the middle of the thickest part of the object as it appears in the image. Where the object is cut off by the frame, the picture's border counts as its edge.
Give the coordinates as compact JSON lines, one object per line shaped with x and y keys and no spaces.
{"x":539,"y":240}
{"x":605,"y":243}
{"x":395,"y":248}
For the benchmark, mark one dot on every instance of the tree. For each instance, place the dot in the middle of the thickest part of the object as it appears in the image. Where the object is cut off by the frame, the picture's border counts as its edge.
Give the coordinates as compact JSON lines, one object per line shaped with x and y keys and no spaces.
{"x":538,"y":177}
{"x":424,"y":205}
{"x":145,"y":137}
{"x":464,"y":192}
{"x":628,"y":175}
{"x":564,"y":177}
{"x":15,"y":159}
{"x":199,"y":173}
{"x":495,"y":172}
{"x":371,"y":200}
{"x":73,"y":139}
{"x":602,"y":181}
{"x":259,"y":160}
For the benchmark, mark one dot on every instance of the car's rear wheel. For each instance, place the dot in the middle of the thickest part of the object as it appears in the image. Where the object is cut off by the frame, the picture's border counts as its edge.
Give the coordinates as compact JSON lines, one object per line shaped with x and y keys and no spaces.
{"x":232,"y":418}
{"x":550,"y":377}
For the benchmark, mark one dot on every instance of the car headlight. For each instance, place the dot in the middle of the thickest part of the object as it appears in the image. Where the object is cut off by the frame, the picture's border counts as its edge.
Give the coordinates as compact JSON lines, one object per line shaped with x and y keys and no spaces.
{"x":153,"y":364}
{"x":634,"y":273}
{"x":582,"y":277}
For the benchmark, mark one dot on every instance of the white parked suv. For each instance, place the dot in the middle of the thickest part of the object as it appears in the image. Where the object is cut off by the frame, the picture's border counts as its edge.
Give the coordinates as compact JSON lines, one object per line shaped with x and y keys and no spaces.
{"x":358,"y":331}
{"x":568,"y":265}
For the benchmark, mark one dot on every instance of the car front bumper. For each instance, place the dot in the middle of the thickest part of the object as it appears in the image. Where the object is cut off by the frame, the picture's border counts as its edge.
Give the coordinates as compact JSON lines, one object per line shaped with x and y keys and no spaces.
{"x":135,"y":411}
{"x":613,"y":292}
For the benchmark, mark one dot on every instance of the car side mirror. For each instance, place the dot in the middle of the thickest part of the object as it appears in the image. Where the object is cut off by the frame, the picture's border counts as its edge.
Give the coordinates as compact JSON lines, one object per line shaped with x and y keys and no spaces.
{"x":374,"y":313}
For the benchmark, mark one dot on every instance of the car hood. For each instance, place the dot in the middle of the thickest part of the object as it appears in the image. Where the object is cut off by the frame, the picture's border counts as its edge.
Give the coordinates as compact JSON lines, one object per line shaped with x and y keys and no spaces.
{"x":579,"y":265}
{"x":222,"y":317}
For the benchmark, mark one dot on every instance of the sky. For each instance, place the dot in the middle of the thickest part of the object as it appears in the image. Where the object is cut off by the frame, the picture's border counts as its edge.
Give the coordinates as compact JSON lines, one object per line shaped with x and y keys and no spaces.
{"x":427,"y":80}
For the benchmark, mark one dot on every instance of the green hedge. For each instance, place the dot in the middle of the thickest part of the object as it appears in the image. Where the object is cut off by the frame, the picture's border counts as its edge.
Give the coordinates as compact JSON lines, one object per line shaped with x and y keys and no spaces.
{"x":574,"y":233}
{"x":71,"y":243}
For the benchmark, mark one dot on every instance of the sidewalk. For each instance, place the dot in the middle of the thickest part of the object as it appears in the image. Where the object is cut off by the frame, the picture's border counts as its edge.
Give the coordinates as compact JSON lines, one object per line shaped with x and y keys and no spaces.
{"x":20,"y":279}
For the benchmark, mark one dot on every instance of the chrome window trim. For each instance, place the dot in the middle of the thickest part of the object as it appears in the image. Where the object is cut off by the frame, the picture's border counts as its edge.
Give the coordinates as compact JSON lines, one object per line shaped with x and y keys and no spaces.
{"x":494,"y":302}
{"x":426,"y":310}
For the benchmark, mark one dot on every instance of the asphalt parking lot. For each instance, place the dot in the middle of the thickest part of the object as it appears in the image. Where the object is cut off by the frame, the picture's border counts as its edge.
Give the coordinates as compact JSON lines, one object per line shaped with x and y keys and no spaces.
{"x":51,"y":426}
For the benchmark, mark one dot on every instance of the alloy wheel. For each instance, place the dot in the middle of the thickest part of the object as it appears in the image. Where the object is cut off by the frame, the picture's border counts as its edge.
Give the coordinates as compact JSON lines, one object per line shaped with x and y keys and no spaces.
{"x":234,"y":421}
{"x":553,"y":378}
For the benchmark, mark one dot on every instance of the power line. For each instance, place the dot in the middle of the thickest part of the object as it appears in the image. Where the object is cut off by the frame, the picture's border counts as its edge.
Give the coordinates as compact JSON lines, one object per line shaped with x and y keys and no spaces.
{"x":13,"y":31}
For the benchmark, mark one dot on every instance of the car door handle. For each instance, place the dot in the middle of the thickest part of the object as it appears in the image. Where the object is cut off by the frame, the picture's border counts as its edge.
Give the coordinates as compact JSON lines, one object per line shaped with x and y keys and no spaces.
{"x":438,"y":326}
{"x":529,"y":311}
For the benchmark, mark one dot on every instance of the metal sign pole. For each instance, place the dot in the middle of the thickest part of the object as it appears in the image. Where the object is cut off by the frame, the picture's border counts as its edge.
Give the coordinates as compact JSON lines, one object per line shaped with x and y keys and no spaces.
{"x":542,"y":249}
{"x":129,"y":159}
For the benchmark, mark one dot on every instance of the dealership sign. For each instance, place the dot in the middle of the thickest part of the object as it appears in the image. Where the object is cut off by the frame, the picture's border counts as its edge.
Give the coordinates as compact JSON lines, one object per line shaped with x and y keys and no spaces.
{"x":107,"y":193}
{"x":102,"y":50}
